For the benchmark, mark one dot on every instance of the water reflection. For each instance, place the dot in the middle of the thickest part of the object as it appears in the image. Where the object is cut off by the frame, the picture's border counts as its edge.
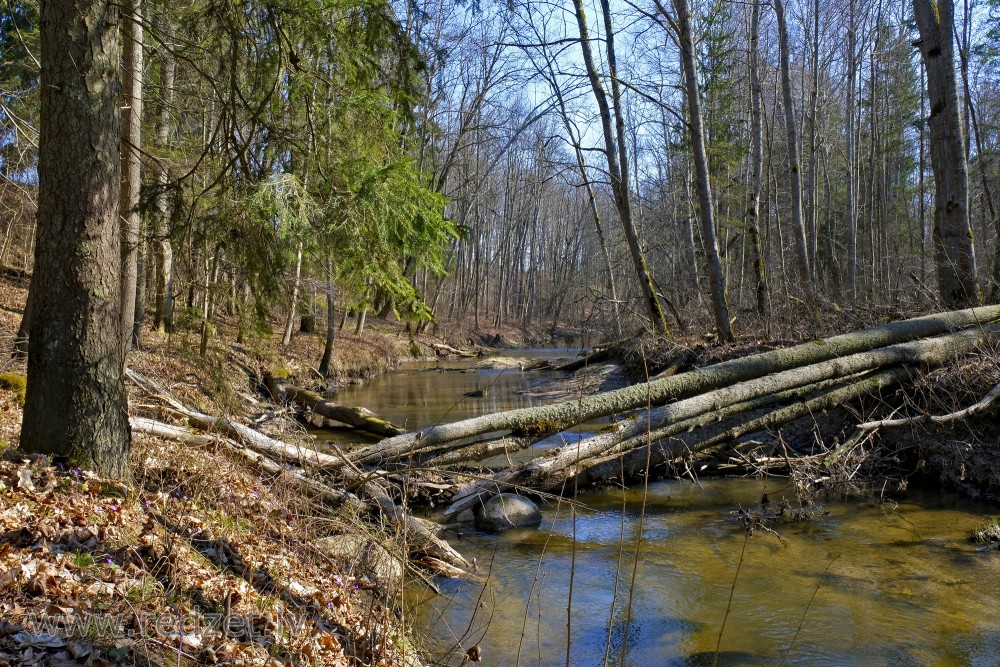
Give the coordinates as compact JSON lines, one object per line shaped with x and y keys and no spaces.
{"x":893,"y":593}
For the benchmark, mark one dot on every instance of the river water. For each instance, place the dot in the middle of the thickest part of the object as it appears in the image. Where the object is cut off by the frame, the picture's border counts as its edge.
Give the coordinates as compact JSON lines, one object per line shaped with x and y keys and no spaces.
{"x":645,"y":577}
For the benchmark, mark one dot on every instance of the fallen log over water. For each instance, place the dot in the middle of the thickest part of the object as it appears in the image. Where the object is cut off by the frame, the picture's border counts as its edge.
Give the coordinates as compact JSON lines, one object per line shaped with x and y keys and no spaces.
{"x":799,"y":381}
{"x":358,"y":418}
{"x":549,"y":419}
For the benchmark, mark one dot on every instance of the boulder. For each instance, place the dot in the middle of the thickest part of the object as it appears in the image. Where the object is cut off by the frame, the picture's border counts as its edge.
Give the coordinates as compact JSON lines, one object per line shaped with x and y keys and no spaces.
{"x":365,"y":557}
{"x":507,"y":510}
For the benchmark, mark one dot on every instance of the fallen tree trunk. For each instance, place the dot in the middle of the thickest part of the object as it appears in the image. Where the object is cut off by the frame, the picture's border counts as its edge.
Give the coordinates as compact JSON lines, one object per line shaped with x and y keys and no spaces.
{"x":415,"y":534}
{"x":331,"y":496}
{"x":443,"y":350}
{"x":358,"y":418}
{"x":559,"y":416}
{"x":661,"y":448}
{"x":596,"y":357}
{"x":934,"y":351}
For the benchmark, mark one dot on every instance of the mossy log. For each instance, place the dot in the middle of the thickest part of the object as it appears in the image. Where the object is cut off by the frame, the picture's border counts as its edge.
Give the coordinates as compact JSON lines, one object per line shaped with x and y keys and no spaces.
{"x":932,"y":351}
{"x":663,"y":447}
{"x":360,"y":418}
{"x":559,"y":416}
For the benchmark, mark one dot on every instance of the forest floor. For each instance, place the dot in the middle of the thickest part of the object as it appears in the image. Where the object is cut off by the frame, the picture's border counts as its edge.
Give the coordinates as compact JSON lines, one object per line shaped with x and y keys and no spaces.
{"x":201,"y":558}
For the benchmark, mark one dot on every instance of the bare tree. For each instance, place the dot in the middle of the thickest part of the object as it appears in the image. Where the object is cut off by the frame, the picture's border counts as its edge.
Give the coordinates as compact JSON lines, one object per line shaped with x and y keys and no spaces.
{"x":696,"y":130}
{"x":131,"y":139}
{"x":956,"y":259}
{"x":616,"y":153}
{"x":794,"y":173}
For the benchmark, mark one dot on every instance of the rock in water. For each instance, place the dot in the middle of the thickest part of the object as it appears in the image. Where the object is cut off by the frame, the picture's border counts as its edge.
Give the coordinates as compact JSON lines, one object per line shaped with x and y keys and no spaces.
{"x":507,"y":510}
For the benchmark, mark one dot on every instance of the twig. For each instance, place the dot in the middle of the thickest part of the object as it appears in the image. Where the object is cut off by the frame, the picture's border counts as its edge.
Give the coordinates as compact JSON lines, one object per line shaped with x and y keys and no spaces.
{"x":970,"y":411}
{"x":806,"y":610}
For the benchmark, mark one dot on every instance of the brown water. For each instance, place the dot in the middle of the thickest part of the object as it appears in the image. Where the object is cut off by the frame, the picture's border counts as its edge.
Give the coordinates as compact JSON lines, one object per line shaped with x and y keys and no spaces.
{"x":634,"y":580}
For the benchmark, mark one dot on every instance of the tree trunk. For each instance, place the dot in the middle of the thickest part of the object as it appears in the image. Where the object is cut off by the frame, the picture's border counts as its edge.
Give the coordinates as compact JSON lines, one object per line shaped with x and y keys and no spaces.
{"x":981,"y":155}
{"x":794,"y":175}
{"x":331,"y":322}
{"x":615,"y":152}
{"x":956,"y":259}
{"x":558,"y":416}
{"x":293,"y":306}
{"x":76,"y":404}
{"x":164,"y":302}
{"x":131,"y":177}
{"x":756,"y":163}
{"x":852,"y":220}
{"x":717,"y":287}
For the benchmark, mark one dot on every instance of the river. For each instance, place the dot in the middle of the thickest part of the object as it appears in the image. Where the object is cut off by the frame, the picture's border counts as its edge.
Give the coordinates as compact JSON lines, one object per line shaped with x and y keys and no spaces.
{"x":646,"y":577}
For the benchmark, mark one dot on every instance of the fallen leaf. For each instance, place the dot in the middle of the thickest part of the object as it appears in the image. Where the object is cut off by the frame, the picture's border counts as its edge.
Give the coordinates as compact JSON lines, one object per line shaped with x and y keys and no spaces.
{"x":24,"y":480}
{"x":79,"y":649}
{"x":9,"y":578}
{"x":43,"y":640}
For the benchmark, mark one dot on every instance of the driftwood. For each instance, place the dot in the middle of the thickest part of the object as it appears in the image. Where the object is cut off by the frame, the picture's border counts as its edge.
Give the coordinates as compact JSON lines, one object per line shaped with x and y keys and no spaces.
{"x":417,"y":536}
{"x":596,"y":357}
{"x":444,"y":350}
{"x":358,"y":418}
{"x":975,"y":409}
{"x":559,"y":416}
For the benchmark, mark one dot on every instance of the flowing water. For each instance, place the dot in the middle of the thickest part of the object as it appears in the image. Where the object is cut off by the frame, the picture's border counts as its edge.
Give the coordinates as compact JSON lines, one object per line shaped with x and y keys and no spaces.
{"x":633,"y":578}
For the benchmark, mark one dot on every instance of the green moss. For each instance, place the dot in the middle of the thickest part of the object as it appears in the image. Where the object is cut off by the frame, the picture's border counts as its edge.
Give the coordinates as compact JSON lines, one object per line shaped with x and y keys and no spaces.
{"x":539,"y":427}
{"x":16,"y":384}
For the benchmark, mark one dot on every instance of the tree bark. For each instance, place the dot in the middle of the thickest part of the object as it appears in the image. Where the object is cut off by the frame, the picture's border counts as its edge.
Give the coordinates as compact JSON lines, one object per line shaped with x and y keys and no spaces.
{"x":958,"y":282}
{"x":293,"y":306}
{"x":756,"y":163}
{"x":76,"y":404}
{"x":794,"y":173}
{"x":131,"y":177}
{"x":331,"y":323}
{"x":164,"y":301}
{"x":852,"y":219}
{"x":716,"y":283}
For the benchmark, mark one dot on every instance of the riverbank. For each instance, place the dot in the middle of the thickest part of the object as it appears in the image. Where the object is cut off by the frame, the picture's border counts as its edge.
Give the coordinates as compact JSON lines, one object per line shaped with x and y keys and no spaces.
{"x":203,"y":557}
